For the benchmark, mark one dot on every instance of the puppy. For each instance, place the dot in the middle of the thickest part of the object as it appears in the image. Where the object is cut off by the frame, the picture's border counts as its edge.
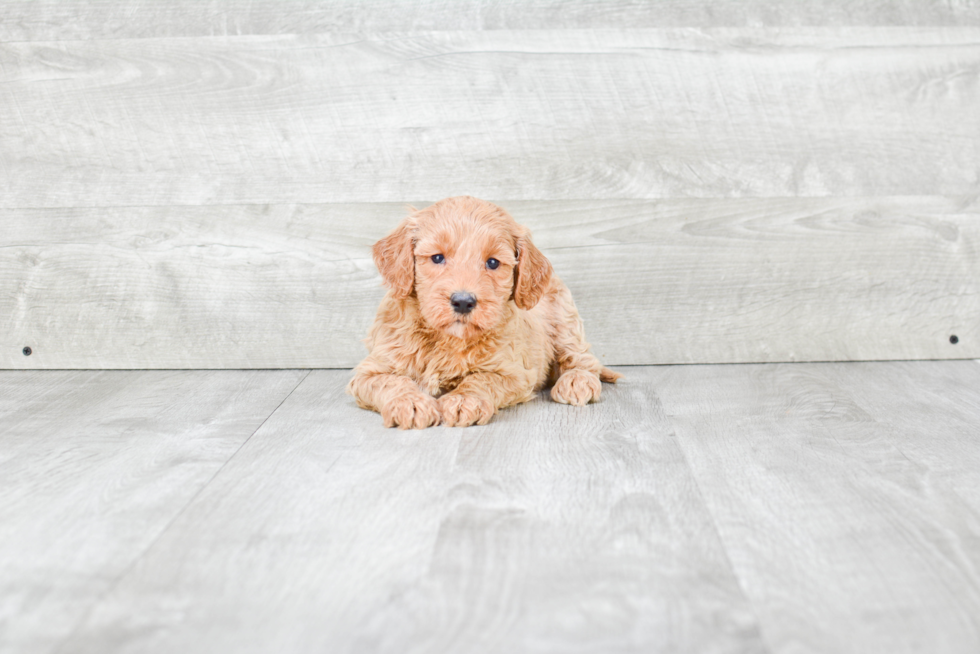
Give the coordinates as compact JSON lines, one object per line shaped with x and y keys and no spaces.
{"x":475,"y":320}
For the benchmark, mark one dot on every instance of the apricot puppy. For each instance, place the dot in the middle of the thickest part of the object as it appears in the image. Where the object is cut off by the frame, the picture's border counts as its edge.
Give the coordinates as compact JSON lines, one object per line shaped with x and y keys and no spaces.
{"x":474,"y":320}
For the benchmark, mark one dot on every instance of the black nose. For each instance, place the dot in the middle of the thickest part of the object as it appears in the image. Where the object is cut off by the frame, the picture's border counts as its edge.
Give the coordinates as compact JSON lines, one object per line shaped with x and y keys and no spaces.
{"x":462,"y":302}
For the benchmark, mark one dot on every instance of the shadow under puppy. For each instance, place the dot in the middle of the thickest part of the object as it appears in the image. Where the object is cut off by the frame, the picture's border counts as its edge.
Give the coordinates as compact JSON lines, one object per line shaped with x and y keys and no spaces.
{"x":475,"y":320}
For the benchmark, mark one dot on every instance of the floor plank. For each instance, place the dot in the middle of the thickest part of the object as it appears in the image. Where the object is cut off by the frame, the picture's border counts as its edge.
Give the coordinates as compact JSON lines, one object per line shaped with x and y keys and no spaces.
{"x":769,"y":508}
{"x":94,"y":466}
{"x":932,"y":413}
{"x":850,"y":529}
{"x":553,"y":529}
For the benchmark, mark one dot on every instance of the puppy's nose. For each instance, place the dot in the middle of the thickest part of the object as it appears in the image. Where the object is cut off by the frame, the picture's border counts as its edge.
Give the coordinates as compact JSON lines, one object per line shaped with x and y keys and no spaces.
{"x":462,"y":302}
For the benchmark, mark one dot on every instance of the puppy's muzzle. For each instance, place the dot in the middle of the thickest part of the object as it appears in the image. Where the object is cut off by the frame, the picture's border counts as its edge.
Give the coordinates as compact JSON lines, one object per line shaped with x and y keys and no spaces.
{"x":462,"y":303}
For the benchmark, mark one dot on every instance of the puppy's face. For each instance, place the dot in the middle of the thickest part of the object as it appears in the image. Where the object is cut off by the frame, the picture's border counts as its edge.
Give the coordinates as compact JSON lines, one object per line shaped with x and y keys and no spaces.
{"x":465,"y":259}
{"x":464,"y":273}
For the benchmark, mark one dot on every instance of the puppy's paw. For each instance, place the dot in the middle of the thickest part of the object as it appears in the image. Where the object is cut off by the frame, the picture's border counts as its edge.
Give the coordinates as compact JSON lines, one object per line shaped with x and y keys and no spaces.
{"x":414,"y":411}
{"x":463,"y":410}
{"x":578,"y":387}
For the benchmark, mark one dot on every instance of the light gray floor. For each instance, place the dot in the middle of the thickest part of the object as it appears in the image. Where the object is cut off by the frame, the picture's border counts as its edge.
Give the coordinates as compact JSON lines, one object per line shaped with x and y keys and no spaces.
{"x":754,"y":508}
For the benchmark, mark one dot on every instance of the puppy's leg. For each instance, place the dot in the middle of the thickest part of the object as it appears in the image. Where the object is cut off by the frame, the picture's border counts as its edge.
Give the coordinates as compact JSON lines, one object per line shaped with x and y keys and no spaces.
{"x":479,"y":396}
{"x":579,"y":372}
{"x":397,"y":398}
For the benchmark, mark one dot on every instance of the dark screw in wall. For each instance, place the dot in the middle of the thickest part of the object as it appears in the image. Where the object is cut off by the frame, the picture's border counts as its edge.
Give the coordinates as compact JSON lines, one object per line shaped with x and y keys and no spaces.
{"x":954,"y":339}
{"x":27,"y":351}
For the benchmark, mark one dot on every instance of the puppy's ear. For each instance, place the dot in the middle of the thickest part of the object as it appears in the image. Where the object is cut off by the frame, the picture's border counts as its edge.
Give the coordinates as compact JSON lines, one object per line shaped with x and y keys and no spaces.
{"x":531,"y":275}
{"x":394,"y":255}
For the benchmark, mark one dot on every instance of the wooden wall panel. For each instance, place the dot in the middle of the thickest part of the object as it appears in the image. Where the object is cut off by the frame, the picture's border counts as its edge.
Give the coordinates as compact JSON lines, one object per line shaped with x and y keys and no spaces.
{"x":767,"y":180}
{"x":678,"y":281}
{"x":563,"y":114}
{"x":38,"y":20}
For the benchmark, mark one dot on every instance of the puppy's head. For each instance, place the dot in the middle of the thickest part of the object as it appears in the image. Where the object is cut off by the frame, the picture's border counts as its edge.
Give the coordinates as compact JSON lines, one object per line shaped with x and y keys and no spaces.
{"x":465,"y":259}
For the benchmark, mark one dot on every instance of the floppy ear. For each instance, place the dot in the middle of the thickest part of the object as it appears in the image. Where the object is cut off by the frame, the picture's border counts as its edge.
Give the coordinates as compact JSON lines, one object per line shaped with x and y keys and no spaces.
{"x":394,"y":256}
{"x":531,"y":275}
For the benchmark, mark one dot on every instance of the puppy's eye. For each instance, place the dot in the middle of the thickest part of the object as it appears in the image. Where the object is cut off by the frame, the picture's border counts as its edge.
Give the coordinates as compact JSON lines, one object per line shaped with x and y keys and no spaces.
{"x":438,"y":258}
{"x":492,"y":263}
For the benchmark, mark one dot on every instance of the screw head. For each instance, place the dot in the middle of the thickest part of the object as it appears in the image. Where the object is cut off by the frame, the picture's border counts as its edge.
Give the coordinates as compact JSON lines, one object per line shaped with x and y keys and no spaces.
{"x":954,"y":339}
{"x":27,"y":351}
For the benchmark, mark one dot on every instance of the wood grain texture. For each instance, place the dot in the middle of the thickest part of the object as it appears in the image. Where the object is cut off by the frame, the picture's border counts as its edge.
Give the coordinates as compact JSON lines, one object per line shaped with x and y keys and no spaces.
{"x":680,"y":281}
{"x":909,"y":396}
{"x":533,"y":115}
{"x":45,"y":20}
{"x":758,"y":508}
{"x":93,"y":468}
{"x":847,"y":501}
{"x":551,"y":530}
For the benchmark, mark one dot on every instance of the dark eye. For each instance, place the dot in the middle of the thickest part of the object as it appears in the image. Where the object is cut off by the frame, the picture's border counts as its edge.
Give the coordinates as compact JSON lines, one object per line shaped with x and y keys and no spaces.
{"x":492,"y":263}
{"x":438,"y":258}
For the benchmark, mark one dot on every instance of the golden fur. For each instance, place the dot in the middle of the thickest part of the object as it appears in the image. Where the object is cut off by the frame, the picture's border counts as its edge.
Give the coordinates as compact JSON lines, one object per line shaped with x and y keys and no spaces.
{"x":428,"y":364}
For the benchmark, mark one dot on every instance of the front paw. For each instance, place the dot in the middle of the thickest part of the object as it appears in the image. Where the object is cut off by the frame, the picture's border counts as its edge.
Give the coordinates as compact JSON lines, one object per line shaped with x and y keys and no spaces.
{"x":462,"y":410}
{"x":413,"y":411}
{"x":578,"y":387}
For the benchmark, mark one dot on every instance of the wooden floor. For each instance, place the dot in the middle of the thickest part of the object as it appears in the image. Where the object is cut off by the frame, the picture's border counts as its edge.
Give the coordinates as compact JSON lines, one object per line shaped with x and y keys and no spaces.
{"x":753,"y":508}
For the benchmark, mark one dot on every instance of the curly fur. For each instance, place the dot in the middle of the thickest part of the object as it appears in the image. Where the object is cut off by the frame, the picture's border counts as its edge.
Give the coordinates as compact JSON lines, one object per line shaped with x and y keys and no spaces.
{"x":430,"y":365}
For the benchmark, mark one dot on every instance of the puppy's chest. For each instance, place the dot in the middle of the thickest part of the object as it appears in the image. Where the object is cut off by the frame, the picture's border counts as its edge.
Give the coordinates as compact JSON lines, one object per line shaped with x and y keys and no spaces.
{"x":441,"y":369}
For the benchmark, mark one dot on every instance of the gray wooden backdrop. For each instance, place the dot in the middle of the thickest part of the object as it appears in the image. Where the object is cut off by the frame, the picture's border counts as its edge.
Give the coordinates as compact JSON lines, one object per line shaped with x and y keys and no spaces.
{"x":190,"y":184}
